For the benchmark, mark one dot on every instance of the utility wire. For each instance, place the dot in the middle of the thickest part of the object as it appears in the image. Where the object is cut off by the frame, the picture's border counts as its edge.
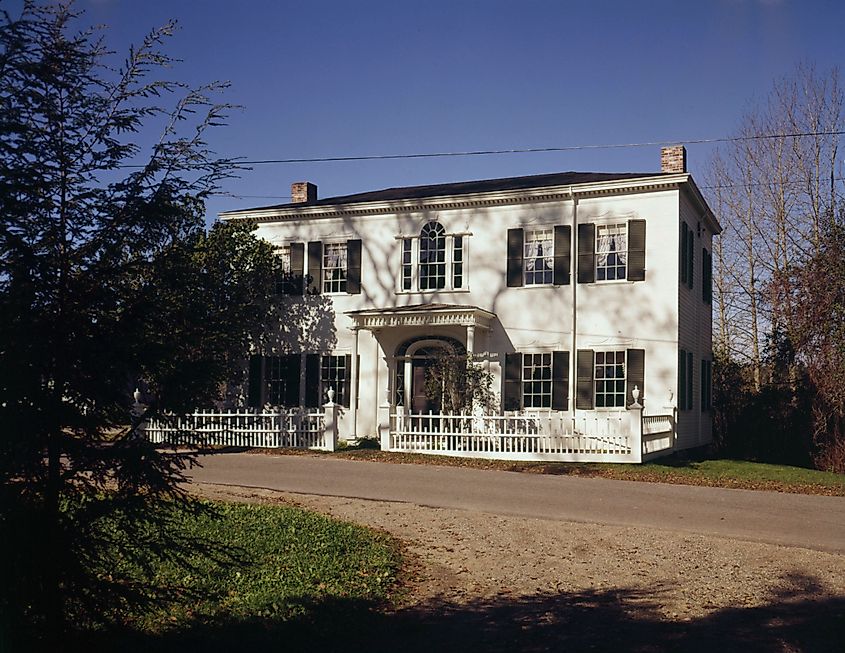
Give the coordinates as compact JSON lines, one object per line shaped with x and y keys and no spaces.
{"x":535,"y":150}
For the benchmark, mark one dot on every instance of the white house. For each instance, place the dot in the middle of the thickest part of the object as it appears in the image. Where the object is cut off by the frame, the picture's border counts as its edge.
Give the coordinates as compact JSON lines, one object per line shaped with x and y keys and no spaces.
{"x":570,"y":288}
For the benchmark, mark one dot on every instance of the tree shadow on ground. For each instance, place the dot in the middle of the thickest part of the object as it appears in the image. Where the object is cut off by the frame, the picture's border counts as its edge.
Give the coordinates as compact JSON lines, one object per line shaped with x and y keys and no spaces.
{"x":620,"y":619}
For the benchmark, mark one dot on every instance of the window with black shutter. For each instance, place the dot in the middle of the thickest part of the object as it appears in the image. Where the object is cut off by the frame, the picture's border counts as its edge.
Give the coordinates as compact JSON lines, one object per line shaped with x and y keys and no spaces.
{"x":635,"y":375}
{"x":353,"y":270}
{"x":636,"y":250}
{"x":584,"y":379}
{"x":315,"y":268}
{"x":514,"y":254}
{"x":513,"y":381}
{"x":586,"y":253}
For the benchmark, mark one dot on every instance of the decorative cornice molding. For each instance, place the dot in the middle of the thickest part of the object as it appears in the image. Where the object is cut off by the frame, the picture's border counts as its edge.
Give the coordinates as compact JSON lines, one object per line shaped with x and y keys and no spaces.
{"x":479,"y":200}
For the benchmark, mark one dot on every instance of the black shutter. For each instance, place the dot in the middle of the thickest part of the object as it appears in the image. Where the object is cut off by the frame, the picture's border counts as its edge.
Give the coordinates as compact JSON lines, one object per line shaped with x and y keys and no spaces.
{"x":584,"y":380}
{"x":312,"y":381}
{"x":255,"y":381}
{"x":513,"y":381}
{"x":353,"y":267}
{"x":315,"y":268}
{"x":690,"y":371}
{"x":587,"y":255}
{"x":297,"y":268}
{"x":560,"y":380}
{"x":636,"y":250}
{"x":683,"y":253}
{"x":515,"y":247}
{"x":690,"y":260}
{"x":291,"y":364}
{"x":347,"y":384}
{"x":706,"y":276}
{"x":682,"y":379}
{"x":563,"y":254}
{"x":635,"y":375}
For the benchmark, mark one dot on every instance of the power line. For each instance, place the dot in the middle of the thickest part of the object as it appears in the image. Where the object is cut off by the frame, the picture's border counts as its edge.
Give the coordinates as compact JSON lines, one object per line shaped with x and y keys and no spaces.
{"x":536,"y":150}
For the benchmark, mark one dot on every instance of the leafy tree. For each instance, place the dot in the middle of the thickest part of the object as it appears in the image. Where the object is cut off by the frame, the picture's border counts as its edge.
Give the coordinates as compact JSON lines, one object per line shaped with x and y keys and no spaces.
{"x":106,"y":277}
{"x":459,"y":385}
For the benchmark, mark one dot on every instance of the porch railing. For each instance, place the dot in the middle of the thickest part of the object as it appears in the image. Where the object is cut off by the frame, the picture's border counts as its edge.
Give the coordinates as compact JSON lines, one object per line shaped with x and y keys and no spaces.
{"x":619,"y":436}
{"x":268,"y":428}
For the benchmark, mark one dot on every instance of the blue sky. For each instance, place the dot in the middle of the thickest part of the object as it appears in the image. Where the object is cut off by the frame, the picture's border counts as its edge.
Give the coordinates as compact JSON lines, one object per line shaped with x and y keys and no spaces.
{"x":321,"y":78}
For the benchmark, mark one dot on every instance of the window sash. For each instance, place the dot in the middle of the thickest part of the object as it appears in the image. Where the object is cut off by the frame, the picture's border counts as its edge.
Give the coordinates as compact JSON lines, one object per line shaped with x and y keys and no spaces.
{"x":333,"y":374}
{"x":334,"y":267}
{"x":427,"y":264}
{"x":609,"y":379}
{"x":537,"y":380}
{"x":538,"y":257}
{"x":611,"y":251}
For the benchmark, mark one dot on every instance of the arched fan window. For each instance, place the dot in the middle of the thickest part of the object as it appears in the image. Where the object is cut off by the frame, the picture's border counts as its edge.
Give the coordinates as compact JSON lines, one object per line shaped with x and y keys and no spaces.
{"x":433,"y":260}
{"x":432,"y":257}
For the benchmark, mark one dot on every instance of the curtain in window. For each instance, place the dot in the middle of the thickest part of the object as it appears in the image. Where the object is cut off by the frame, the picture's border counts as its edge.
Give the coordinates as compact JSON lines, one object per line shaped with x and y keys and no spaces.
{"x":335,"y":256}
{"x":611,"y":243}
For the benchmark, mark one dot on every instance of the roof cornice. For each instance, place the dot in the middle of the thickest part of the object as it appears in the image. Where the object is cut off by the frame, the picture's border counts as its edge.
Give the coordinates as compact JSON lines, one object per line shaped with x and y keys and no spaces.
{"x":474,"y":200}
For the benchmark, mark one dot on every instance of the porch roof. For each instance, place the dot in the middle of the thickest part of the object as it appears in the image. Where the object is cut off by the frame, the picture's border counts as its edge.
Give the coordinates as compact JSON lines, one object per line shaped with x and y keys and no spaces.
{"x":372,"y":319}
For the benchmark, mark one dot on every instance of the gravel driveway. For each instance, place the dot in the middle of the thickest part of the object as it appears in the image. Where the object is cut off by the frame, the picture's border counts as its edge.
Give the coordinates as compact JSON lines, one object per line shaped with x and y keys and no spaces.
{"x":493,"y":582}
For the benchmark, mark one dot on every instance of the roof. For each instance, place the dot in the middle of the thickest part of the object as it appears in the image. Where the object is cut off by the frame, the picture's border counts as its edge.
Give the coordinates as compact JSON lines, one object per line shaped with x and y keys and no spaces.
{"x":467,"y":188}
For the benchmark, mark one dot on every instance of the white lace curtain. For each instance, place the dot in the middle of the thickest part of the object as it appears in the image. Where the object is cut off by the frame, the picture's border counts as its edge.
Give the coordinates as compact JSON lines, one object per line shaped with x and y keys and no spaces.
{"x":611,"y":241}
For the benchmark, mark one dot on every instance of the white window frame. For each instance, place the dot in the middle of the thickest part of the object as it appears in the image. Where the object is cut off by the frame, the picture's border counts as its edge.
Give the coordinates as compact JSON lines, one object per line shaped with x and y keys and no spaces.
{"x":618,"y":395}
{"x":328,"y":284}
{"x":410,"y":270}
{"x":540,"y":360}
{"x":548,"y":258}
{"x":338,"y":361}
{"x":620,"y":271}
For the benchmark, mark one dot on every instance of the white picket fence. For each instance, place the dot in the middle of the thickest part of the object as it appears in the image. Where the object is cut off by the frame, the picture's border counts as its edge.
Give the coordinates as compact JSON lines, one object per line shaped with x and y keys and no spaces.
{"x":619,"y":436}
{"x":275,"y":428}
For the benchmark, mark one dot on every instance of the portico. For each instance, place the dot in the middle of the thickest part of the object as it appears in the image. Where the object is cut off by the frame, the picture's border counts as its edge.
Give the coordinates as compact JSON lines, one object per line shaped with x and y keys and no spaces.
{"x":410,"y":338}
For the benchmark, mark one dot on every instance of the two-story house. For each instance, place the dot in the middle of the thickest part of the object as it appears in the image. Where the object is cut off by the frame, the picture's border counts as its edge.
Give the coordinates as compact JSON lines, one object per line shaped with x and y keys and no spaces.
{"x":570,"y":288}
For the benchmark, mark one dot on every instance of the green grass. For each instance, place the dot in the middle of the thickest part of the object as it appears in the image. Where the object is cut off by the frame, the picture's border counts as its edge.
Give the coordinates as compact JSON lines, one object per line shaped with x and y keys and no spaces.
{"x":674,"y":469}
{"x":200,"y":576}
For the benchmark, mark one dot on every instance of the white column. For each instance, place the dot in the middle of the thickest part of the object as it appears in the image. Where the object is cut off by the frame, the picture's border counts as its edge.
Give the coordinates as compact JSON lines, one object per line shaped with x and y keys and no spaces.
{"x":353,"y":386}
{"x":470,"y":339}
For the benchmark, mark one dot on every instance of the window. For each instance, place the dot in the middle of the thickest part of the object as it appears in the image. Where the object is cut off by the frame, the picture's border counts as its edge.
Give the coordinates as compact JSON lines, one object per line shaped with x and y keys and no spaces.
{"x":281,"y":374}
{"x":334,"y":374}
{"x":611,"y":252}
{"x":434,"y":260}
{"x":609,"y":378}
{"x":687,"y":257}
{"x":606,"y":379}
{"x":685,"y":375}
{"x":706,"y":385}
{"x":537,"y":380}
{"x":334,"y":267}
{"x":538,"y":257}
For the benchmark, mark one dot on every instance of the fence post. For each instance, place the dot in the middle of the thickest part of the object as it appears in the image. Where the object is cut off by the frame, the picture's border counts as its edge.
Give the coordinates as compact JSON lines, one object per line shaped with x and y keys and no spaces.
{"x":635,"y":414}
{"x":395,"y":425}
{"x":330,"y":425}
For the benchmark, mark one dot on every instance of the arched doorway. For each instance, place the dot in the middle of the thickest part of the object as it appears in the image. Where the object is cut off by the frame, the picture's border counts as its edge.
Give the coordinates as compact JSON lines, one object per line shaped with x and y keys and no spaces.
{"x":413,"y":358}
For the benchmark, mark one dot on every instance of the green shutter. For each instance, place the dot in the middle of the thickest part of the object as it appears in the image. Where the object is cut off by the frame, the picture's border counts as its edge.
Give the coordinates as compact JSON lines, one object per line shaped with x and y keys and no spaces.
{"x":560,"y":380}
{"x":635,"y":375}
{"x":584,"y":379}
{"x":636,"y":250}
{"x":256,"y":380}
{"x":586,"y":253}
{"x":312,"y":381}
{"x":315,"y":268}
{"x":690,"y":372}
{"x":515,"y":248}
{"x":297,"y":268}
{"x":682,"y":379}
{"x":513,"y":381}
{"x":353,"y":267}
{"x":563,"y":254}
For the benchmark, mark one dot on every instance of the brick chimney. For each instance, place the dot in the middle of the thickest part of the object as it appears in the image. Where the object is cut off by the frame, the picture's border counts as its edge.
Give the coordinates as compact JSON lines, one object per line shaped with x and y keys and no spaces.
{"x":673,"y":159}
{"x":302,"y":192}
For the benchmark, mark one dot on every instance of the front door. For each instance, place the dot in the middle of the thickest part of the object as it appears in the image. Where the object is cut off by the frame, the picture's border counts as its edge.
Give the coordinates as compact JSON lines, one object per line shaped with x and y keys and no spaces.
{"x":420,"y":403}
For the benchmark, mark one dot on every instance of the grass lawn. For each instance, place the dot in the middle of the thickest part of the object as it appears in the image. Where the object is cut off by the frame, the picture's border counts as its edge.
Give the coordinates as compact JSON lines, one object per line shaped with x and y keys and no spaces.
{"x":716,"y":473}
{"x":243,"y":575}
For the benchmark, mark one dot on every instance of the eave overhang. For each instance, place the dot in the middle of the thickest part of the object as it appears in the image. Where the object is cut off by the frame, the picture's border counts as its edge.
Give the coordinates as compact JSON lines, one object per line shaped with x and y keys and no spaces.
{"x":374,"y":319}
{"x":476,"y":200}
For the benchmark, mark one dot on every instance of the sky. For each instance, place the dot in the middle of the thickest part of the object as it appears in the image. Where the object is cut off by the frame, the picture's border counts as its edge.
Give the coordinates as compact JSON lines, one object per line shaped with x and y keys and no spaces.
{"x":349,"y":78}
